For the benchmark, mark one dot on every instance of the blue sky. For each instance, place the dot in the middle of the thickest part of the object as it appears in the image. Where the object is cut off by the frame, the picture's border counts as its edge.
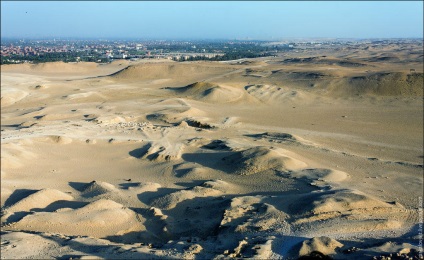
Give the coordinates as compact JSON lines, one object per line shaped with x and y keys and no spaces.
{"x":212,"y":20}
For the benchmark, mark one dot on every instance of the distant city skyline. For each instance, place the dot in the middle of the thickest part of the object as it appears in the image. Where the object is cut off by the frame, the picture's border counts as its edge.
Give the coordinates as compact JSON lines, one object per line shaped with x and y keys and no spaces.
{"x":212,"y":20}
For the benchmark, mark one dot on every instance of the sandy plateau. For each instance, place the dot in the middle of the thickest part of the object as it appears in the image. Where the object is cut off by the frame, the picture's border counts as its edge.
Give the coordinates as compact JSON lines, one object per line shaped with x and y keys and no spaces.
{"x":260,"y":158}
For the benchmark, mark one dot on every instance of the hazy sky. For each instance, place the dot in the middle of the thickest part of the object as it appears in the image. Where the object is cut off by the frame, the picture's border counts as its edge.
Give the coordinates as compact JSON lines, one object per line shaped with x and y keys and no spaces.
{"x":212,"y":20}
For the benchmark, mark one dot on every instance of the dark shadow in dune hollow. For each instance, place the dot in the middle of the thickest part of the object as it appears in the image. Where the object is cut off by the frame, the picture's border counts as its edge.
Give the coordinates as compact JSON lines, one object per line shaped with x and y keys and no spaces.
{"x":18,"y":195}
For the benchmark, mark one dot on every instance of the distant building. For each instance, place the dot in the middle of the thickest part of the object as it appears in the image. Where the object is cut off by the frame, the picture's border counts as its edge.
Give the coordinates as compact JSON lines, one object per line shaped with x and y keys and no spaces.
{"x":121,"y":56}
{"x":107,"y":55}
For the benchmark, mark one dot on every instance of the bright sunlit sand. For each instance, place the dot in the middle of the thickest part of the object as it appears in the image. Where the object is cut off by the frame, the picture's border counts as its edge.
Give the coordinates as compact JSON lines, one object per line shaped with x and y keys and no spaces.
{"x":311,"y":152}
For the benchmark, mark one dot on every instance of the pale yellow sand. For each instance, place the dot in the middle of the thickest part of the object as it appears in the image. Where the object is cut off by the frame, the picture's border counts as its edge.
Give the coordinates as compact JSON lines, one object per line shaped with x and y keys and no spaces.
{"x":209,"y":159}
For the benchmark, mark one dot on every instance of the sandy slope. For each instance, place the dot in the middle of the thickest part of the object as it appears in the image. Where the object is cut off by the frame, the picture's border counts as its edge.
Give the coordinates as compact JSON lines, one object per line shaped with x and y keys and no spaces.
{"x":267,"y":158}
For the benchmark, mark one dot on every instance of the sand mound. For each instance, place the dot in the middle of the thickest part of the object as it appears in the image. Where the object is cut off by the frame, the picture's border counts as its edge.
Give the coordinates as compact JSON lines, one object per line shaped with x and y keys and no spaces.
{"x":209,"y":188}
{"x":96,"y":188}
{"x":346,"y":200}
{"x":217,"y":145}
{"x":323,"y":60}
{"x":249,"y":214}
{"x":155,"y":71}
{"x":189,"y":170}
{"x":383,"y":57}
{"x":300,"y":77}
{"x":52,"y":67}
{"x":324,"y":245}
{"x":359,"y":211}
{"x":160,"y":151}
{"x":217,"y":185}
{"x":174,"y":111}
{"x":320,"y":174}
{"x":183,"y":124}
{"x":274,"y":94}
{"x":264,"y":92}
{"x":383,"y":84}
{"x":209,"y":92}
{"x":339,"y":83}
{"x":171,"y":200}
{"x":194,"y":213}
{"x":397,"y":249}
{"x":258,"y":159}
{"x":60,"y":67}
{"x":38,"y":200}
{"x":204,"y":213}
{"x":99,"y":219}
{"x":134,"y":194}
{"x":10,"y":96}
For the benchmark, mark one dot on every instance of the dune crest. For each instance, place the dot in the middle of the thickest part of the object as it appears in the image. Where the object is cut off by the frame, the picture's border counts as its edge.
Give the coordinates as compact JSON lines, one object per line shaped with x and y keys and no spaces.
{"x":209,"y":188}
{"x":167,"y":70}
{"x":209,"y":92}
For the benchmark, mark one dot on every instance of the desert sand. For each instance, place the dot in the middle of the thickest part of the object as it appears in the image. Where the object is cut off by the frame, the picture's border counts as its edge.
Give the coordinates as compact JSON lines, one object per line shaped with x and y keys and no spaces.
{"x":256,"y":158}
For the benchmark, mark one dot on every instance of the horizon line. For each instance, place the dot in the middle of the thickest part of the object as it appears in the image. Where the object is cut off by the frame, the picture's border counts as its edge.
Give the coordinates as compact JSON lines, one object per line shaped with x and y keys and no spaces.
{"x":198,"y":39}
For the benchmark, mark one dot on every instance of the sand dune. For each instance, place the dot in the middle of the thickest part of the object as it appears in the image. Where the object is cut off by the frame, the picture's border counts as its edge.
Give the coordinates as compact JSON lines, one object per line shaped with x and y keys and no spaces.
{"x":38,"y":200}
{"x":161,"y":151}
{"x":53,"y":69}
{"x":323,"y":60}
{"x":99,"y":219}
{"x":169,"y":70}
{"x":324,"y":245}
{"x":96,"y":188}
{"x":251,"y":215}
{"x":275,"y":95}
{"x":266,"y":158}
{"x":387,"y":84}
{"x":320,"y":174}
{"x":258,"y":159}
{"x":211,"y":188}
{"x":189,"y":169}
{"x":361,"y":212}
{"x":209,"y":92}
{"x":174,"y":111}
